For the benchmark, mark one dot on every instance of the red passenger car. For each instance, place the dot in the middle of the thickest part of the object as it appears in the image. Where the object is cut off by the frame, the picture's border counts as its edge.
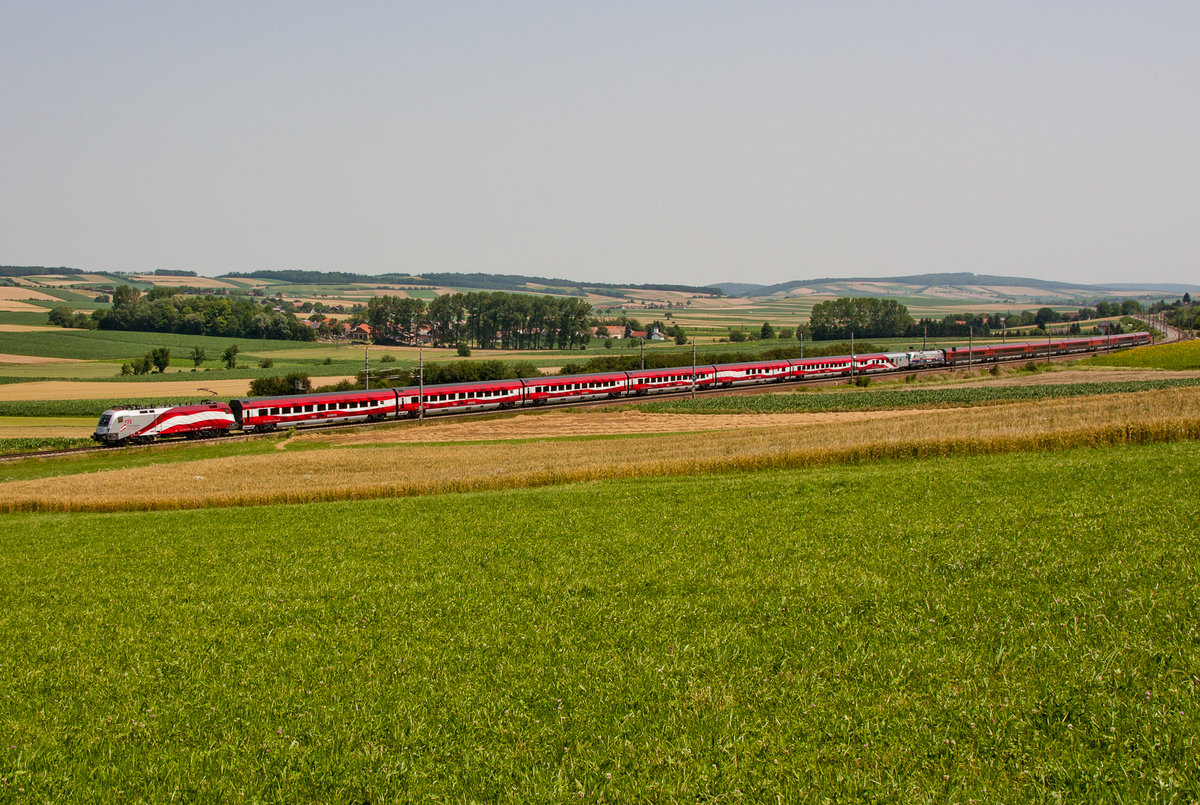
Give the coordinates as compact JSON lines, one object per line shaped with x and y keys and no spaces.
{"x":678,"y":378}
{"x":269,"y":413}
{"x":565,"y":388}
{"x":477,"y":396}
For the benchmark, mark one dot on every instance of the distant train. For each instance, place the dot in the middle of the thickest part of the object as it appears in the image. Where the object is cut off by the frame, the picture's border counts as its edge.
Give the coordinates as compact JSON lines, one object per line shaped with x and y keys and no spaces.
{"x":260,"y":414}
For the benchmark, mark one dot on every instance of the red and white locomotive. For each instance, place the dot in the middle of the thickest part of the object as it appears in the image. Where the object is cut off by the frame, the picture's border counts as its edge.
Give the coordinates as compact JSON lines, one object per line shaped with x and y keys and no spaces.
{"x":144,"y":425}
{"x":258,"y":414}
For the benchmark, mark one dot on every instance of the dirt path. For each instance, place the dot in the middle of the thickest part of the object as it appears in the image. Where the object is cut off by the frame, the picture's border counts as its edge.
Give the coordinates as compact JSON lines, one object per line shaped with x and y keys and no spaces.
{"x":29,"y":360}
{"x":82,"y":390}
{"x":27,"y":427}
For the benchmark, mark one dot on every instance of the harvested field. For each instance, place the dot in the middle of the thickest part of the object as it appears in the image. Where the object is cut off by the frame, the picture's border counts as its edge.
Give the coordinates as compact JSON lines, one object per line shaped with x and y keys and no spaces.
{"x":67,"y":390}
{"x":27,"y":328}
{"x":72,"y":279}
{"x":33,"y":427}
{"x":10,"y":293}
{"x":177,"y":282}
{"x":14,"y":306}
{"x":342,"y":472}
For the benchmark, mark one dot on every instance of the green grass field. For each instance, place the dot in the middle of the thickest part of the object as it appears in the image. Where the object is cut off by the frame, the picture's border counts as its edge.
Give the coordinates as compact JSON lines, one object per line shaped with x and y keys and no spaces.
{"x":120,"y":345}
{"x":28,"y":318}
{"x":1179,"y":356}
{"x":1020,"y":628}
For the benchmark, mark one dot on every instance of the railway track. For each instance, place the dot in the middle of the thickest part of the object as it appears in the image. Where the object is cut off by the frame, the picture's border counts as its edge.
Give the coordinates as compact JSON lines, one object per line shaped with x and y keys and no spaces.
{"x":1171,"y":334}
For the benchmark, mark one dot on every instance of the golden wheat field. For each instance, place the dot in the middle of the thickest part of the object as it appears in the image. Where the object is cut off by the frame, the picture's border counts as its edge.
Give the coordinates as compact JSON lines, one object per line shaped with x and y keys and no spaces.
{"x":414,"y":458}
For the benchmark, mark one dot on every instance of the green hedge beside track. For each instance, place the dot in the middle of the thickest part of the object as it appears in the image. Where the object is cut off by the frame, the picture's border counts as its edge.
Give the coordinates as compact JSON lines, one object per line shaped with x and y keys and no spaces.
{"x":29,"y":445}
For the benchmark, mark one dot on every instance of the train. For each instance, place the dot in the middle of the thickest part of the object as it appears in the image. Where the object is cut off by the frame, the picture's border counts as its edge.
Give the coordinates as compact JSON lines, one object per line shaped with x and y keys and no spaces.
{"x":263,"y":414}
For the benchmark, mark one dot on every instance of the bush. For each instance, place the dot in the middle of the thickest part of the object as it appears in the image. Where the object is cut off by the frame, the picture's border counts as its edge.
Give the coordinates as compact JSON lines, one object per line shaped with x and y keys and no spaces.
{"x":388,"y":358}
{"x":161,"y":358}
{"x":291,"y":383}
{"x":464,"y":351}
{"x":265,"y":363}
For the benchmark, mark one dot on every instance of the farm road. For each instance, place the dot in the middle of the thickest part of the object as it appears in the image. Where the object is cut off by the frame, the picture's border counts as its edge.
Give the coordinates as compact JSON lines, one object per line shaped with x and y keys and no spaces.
{"x":82,"y":390}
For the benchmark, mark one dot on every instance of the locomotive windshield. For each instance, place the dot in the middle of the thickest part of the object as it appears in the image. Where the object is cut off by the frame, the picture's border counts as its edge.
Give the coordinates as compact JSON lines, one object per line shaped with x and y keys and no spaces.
{"x":104,"y":418}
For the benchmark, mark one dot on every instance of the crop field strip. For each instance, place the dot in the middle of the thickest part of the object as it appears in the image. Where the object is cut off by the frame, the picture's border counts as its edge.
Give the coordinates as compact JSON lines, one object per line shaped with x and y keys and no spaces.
{"x":338,"y":470}
{"x":1008,"y":630}
{"x":900,"y":397}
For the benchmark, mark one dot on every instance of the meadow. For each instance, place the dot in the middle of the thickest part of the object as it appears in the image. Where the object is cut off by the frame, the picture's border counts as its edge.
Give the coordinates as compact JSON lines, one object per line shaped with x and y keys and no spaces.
{"x":1020,"y":629}
{"x":561,"y":447}
{"x":1179,"y":355}
{"x":121,"y":345}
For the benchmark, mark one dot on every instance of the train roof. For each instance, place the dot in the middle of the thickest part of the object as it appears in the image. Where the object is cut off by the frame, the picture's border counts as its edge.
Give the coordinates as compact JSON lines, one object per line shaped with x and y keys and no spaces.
{"x":150,"y":409}
{"x":319,"y":397}
{"x":589,"y":377}
{"x":510,"y":383}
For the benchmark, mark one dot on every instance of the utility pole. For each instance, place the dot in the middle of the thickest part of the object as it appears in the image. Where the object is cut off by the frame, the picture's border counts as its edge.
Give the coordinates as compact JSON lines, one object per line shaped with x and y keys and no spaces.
{"x":924,"y":336}
{"x":970,"y":345}
{"x":643,"y":352}
{"x":851,"y":354}
{"x":801,"y":346}
{"x":1049,"y":346}
{"x":366,"y":368}
{"x":421,"y":385}
{"x":693,"y":368}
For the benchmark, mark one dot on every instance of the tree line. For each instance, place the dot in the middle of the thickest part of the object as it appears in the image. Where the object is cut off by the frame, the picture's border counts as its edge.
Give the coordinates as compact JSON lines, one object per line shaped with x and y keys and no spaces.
{"x":864,"y":316}
{"x":1181,"y":313}
{"x":483,"y":319}
{"x":872,"y":317}
{"x":166,"y":310}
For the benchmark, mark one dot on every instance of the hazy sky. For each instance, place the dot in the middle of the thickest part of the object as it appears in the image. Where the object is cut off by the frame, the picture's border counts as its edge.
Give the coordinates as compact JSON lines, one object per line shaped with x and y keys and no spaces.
{"x":640,"y":141}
